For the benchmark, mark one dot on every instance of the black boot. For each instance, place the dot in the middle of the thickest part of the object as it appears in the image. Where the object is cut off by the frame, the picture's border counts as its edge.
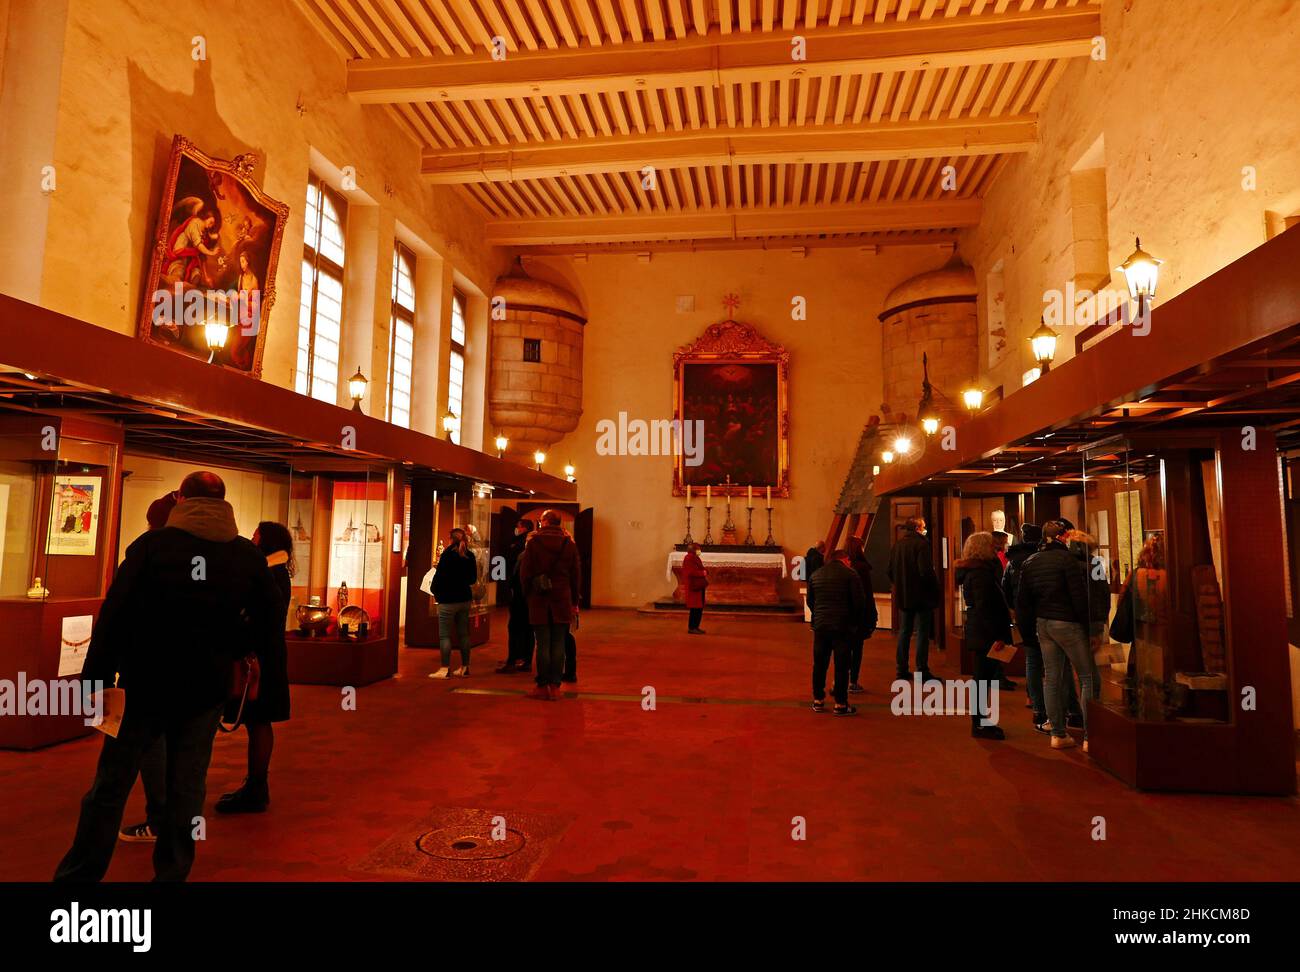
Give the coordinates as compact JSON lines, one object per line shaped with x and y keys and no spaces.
{"x":252,"y":797}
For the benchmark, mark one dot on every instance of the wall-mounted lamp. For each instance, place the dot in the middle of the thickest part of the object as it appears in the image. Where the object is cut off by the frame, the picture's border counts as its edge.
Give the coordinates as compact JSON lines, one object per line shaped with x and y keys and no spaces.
{"x":973,"y":399}
{"x":1043,"y":341}
{"x":502,"y":444}
{"x":215,"y":332}
{"x":450,"y":424}
{"x":886,"y":456}
{"x":357,"y":389}
{"x":902,"y":445}
{"x":1142,"y":272}
{"x":539,"y":457}
{"x":570,"y":472}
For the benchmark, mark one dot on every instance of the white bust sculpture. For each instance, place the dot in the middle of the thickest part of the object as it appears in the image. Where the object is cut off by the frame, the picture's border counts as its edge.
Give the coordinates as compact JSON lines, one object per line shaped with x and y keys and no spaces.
{"x":999,"y":520}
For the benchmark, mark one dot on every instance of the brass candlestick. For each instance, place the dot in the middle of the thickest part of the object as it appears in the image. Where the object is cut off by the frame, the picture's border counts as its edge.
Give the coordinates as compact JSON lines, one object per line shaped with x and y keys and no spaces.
{"x":688,"y":539}
{"x":771,"y":540}
{"x":708,"y":526}
{"x":749,"y":528}
{"x":728,"y":527}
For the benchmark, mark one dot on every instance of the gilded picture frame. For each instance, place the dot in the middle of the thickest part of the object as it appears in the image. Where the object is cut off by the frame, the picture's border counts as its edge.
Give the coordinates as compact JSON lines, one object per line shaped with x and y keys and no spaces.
{"x":214,"y":256}
{"x":736,"y":382}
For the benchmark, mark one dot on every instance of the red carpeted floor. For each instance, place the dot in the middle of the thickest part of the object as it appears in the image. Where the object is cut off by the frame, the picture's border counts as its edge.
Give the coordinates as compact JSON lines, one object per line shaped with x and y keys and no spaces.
{"x":703,"y":788}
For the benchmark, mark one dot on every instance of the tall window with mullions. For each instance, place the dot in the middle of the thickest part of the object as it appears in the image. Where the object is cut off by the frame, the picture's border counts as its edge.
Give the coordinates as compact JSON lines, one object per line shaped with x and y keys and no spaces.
{"x":401,"y":342}
{"x":456,"y":369}
{"x":320,"y":313}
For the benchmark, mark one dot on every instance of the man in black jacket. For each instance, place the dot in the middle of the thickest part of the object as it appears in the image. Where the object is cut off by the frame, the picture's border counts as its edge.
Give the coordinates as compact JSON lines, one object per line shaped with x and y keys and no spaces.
{"x":453,"y":589}
{"x":187,"y":602}
{"x":839,"y":603}
{"x":1052,"y":600}
{"x":916,"y":594}
{"x":519,"y":657}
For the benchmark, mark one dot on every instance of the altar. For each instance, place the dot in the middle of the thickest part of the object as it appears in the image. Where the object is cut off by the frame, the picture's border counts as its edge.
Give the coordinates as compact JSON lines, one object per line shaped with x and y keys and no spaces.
{"x":738,"y":575}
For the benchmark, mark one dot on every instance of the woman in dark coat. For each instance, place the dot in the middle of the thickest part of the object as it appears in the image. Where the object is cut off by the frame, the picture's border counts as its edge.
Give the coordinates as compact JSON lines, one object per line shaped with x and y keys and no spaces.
{"x":988,"y":620}
{"x":694,"y":579}
{"x":272,"y":702}
{"x":871,"y":616}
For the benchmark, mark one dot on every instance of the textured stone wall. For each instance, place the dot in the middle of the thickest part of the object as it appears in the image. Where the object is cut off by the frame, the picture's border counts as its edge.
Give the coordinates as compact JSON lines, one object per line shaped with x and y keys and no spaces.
{"x":535,"y":404}
{"x":946,"y":332}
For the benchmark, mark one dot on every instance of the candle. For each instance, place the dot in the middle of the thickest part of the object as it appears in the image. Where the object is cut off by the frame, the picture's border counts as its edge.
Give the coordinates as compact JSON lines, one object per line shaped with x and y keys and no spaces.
{"x":769,"y":497}
{"x":688,"y":494}
{"x":708,"y":494}
{"x":749,"y":496}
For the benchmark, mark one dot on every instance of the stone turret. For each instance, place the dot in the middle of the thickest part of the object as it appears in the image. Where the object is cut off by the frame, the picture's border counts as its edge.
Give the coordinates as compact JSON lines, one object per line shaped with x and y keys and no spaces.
{"x":932,"y":314}
{"x":534,"y":403}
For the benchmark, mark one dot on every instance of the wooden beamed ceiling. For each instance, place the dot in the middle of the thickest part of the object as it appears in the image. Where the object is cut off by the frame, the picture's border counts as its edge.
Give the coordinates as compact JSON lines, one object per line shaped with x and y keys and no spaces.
{"x":642,"y":121}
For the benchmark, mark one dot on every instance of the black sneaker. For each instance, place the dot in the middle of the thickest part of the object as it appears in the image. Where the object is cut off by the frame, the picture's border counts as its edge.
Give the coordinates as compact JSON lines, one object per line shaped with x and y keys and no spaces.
{"x":140,"y":833}
{"x":1042,"y":725}
{"x":987,"y":732}
{"x":855,"y":688}
{"x":845,"y":710}
{"x":818,"y":705}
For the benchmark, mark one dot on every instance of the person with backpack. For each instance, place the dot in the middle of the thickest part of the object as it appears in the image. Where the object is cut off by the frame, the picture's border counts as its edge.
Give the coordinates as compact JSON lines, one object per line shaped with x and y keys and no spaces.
{"x":551,"y":573}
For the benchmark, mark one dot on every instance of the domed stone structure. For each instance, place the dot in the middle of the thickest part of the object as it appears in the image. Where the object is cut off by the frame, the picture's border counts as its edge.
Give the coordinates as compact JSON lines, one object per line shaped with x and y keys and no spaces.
{"x":534,"y":403}
{"x":932,"y":314}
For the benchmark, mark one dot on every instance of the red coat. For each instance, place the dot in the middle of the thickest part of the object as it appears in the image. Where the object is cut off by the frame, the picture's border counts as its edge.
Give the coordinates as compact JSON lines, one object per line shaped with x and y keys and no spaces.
{"x":551,"y":551}
{"x":693,"y":567}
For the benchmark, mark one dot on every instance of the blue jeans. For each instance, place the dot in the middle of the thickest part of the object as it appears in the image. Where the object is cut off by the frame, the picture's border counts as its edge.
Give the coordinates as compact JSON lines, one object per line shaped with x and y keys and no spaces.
{"x":458,"y":615}
{"x":188,"y":751}
{"x":550,"y":652}
{"x":1065,"y":645}
{"x":921,"y":619}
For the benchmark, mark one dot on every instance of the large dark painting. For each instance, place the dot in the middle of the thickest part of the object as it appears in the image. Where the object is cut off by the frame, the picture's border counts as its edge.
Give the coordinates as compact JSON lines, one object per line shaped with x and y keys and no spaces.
{"x":214,"y":259}
{"x":734,"y":382}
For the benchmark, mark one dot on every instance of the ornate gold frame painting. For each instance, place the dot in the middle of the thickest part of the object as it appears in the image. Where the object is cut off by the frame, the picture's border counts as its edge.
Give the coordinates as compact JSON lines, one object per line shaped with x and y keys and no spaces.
{"x":735,"y":381}
{"x":214,"y":258}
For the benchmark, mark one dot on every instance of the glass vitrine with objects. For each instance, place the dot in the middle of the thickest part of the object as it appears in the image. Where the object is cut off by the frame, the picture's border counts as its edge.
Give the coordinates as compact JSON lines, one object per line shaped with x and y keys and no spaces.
{"x":1194,"y":645}
{"x":60,"y":482}
{"x":346,"y":529}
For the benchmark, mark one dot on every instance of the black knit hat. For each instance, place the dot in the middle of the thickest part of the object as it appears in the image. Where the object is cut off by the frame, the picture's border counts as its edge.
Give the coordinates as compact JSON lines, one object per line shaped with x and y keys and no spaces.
{"x":1031,"y":533}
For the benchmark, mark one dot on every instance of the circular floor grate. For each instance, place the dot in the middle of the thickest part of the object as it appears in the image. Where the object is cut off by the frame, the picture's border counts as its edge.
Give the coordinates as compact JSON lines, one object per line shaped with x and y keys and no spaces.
{"x":454,"y":844}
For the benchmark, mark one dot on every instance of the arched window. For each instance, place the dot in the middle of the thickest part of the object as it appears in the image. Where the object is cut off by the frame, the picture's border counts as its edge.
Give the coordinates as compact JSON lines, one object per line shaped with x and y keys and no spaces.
{"x":401,"y":341}
{"x":320,"y":314}
{"x":456,"y":369}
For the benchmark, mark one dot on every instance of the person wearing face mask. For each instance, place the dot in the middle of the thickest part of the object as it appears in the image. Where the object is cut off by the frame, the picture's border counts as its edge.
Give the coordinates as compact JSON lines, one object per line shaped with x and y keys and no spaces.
{"x":520,"y":655}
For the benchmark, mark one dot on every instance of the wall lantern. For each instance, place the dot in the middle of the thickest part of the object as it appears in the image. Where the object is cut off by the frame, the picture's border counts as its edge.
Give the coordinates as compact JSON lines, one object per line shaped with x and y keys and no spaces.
{"x":926,"y":415}
{"x":973,"y":398}
{"x":450,"y":424}
{"x":887,"y":456}
{"x":357,"y":388}
{"x":1043,"y":341}
{"x":902,"y":445}
{"x":539,"y":457}
{"x":1141,"y":271}
{"x":215,"y":332}
{"x":502,"y":444}
{"x":570,"y":472}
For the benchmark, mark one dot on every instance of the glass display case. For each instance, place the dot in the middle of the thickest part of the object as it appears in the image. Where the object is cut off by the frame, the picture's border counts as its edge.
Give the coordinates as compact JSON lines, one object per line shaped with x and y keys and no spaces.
{"x":59,"y":485}
{"x":346,"y":528}
{"x":1155,"y":513}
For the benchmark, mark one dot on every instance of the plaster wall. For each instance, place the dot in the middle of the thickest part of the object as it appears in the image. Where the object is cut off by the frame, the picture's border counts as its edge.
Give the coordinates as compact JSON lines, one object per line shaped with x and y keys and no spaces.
{"x":1190,"y":93}
{"x":633,"y":329}
{"x":267,"y":83}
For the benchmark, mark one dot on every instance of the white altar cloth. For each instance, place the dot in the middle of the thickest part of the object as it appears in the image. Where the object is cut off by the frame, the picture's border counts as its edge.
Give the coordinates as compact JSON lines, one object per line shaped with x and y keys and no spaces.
{"x":676,"y":557}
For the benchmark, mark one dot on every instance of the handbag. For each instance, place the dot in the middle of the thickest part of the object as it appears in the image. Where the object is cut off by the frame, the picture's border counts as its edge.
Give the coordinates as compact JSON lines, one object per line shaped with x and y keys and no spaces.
{"x":542,"y":582}
{"x":1121,"y":626}
{"x":245,"y":680}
